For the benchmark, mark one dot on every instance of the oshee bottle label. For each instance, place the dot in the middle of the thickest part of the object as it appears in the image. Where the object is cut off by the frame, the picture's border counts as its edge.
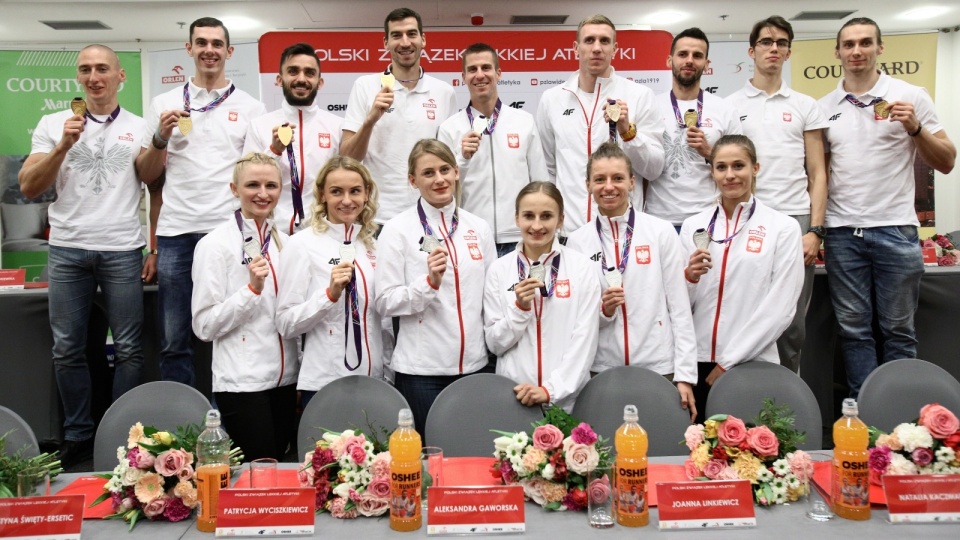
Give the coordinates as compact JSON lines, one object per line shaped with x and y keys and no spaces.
{"x":405,"y":494}
{"x":631,"y":490}
{"x":851,"y":483}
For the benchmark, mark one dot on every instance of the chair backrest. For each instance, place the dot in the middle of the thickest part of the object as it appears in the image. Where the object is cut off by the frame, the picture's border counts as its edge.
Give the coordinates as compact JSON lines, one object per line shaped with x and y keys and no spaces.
{"x":19,"y":434}
{"x":602,"y":400}
{"x":741,"y":392}
{"x":161,"y":404}
{"x":895,"y":391}
{"x":352,"y":401}
{"x":463,"y":414}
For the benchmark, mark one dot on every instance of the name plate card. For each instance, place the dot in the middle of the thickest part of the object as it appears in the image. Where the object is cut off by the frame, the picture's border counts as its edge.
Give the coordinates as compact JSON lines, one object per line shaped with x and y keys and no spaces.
{"x":12,"y":279}
{"x":58,"y":517}
{"x":266,"y":512}
{"x":475,"y":510}
{"x":705,"y":505}
{"x":923,"y":498}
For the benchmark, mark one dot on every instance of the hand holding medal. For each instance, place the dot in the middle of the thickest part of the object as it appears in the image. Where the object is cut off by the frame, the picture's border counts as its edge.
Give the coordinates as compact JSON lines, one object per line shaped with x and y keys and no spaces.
{"x":613,"y":296}
{"x":436,"y":259}
{"x":700,"y":260}
{"x":73,"y":127}
{"x":526,"y":289}
{"x":257,"y":266}
{"x":282,"y":137}
{"x":340,"y":276}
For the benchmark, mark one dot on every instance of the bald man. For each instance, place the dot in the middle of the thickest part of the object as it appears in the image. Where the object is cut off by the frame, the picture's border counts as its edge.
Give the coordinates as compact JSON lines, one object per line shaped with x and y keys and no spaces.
{"x":88,"y":153}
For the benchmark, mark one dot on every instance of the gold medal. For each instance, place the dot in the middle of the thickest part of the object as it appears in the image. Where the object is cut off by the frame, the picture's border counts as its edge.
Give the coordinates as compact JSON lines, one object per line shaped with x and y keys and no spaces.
{"x":78,"y":106}
{"x":690,"y":118}
{"x":881,"y":110}
{"x":185,"y":124}
{"x":285,"y":134}
{"x":387,"y":80}
{"x":613,"y":111}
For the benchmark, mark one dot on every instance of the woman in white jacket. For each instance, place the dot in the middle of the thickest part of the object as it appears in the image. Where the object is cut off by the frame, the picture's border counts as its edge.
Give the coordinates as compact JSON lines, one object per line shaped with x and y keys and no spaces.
{"x":234,"y":303}
{"x":432,"y":259}
{"x":745,"y":269}
{"x":328,"y":280}
{"x":541,"y":304}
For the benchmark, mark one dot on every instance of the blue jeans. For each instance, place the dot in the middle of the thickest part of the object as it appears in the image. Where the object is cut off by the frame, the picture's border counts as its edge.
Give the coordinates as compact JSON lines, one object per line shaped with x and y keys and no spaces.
{"x":174,"y":267}
{"x":74,"y":276}
{"x":421,"y":391}
{"x":881,"y":265}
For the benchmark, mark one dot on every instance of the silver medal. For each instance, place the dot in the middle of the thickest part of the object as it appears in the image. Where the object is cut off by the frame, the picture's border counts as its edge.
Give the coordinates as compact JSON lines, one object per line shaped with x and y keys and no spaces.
{"x":538,"y":272}
{"x":429,"y":243}
{"x":614,"y":278}
{"x":347,"y":253}
{"x":701,"y":239}
{"x":480,"y":124}
{"x":251,"y":247}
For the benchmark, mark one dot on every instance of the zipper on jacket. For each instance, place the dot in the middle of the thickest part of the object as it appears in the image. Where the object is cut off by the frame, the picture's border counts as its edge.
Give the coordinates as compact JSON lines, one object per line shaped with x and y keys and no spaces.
{"x":493,"y":170}
{"x":452,"y":249}
{"x":723,"y":276}
{"x":589,"y":133}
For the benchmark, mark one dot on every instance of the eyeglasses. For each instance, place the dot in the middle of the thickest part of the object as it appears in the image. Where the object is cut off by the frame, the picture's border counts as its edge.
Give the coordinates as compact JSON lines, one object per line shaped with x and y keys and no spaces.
{"x":767,"y":43}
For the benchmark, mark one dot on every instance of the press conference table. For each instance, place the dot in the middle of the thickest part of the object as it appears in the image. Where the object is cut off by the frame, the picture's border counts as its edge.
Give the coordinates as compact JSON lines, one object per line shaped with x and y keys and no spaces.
{"x":780,"y":522}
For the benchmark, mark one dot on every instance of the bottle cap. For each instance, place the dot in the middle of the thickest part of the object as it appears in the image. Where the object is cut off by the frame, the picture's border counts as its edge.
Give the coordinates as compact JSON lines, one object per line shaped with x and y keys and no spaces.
{"x":405,"y":418}
{"x":850,"y":407}
{"x":630,"y":414}
{"x":213,"y":418}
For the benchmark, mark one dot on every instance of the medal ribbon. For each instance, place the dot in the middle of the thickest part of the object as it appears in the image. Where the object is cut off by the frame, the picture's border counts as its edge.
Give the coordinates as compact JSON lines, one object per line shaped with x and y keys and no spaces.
{"x":351,"y":312}
{"x":244,"y":259}
{"x":296,"y":192}
{"x":679,"y":115}
{"x":861,"y":104}
{"x":547,"y":289}
{"x":493,"y":117}
{"x":389,"y":71}
{"x":113,"y":116}
{"x":627,"y":239}
{"x":713,"y":222}
{"x":209,"y":106}
{"x":613,"y":125}
{"x":427,"y":231}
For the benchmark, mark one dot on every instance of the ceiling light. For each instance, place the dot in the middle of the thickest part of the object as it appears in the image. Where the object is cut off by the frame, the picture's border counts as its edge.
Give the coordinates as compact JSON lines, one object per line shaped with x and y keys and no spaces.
{"x":239,"y":23}
{"x":923,"y":13}
{"x":666,"y":17}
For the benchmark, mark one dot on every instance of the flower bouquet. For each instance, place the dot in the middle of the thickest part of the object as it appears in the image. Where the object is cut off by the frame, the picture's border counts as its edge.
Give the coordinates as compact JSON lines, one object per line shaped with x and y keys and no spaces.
{"x":11,"y":465}
{"x":154,"y":476}
{"x":931,"y":445}
{"x":765,"y":453}
{"x":351,"y":473}
{"x":947,"y":253}
{"x":553,"y":464}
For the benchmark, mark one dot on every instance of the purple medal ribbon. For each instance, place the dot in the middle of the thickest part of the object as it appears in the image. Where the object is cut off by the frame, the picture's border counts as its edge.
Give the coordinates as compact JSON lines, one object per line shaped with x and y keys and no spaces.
{"x":625,"y":252}
{"x":547,"y":289}
{"x":209,"y":106}
{"x":679,"y":115}
{"x":427,"y":231}
{"x":713,"y":222}
{"x":856,"y":102}
{"x":493,"y":117}
{"x":113,"y":116}
{"x":351,"y":314}
{"x":244,"y":258}
{"x":296,"y":193}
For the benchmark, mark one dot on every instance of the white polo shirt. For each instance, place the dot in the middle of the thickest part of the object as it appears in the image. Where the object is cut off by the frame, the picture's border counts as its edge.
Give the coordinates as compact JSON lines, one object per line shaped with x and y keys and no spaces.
{"x":871,"y":160}
{"x":416,"y":114}
{"x":686,"y":186}
{"x":196,"y":195}
{"x":776,"y":124}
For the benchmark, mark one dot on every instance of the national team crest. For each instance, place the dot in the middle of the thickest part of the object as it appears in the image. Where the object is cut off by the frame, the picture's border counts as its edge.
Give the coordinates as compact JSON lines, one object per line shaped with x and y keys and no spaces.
{"x":563,"y":288}
{"x":324,"y":140}
{"x":513,"y":140}
{"x":643,"y":254}
{"x":475,"y":252}
{"x":754,"y":244}
{"x":787,"y":117}
{"x":233,"y":116}
{"x":431,"y":114}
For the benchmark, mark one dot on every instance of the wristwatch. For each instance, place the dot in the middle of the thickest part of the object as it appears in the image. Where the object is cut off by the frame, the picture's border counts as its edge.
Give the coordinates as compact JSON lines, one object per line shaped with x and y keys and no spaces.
{"x":818,"y":230}
{"x":154,"y":251}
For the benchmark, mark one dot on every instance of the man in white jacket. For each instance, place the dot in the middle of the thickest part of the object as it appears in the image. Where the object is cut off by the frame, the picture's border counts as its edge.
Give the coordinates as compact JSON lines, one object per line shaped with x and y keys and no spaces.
{"x":498,"y":148}
{"x":575,"y":118}
{"x":300,"y":134}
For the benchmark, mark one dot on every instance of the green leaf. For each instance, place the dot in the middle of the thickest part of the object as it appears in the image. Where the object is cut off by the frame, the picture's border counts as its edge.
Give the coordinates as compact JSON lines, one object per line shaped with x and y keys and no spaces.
{"x":718,"y":417}
{"x":555,"y":505}
{"x":104,"y":496}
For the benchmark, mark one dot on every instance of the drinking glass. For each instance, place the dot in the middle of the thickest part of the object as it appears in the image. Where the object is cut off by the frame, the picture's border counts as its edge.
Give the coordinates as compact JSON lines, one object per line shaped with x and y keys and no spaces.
{"x":263,"y":473}
{"x":600,"y":498}
{"x":33,"y":482}
{"x":431,"y":461}
{"x":818,"y":509}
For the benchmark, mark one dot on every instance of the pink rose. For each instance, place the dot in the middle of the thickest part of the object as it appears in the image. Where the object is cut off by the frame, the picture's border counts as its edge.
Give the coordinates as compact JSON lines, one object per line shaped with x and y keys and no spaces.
{"x":170,"y":463}
{"x":693,"y":436}
{"x":928,"y":243}
{"x":305,"y":476}
{"x":946,"y":260}
{"x":370,"y":506}
{"x":583,"y":434}
{"x":141,"y":459}
{"x":728,"y":473}
{"x":943,"y":241}
{"x":800,"y":464}
{"x":922,"y":456}
{"x":879,"y":459}
{"x":763,"y":442}
{"x":599,"y":490}
{"x":155,"y":508}
{"x":713,"y":468}
{"x":691,"y":470}
{"x":379,"y":487}
{"x":938,"y":420}
{"x":731,"y":431}
{"x":582,"y":458}
{"x":547,"y":438}
{"x":186,"y":473}
{"x":358,"y":454}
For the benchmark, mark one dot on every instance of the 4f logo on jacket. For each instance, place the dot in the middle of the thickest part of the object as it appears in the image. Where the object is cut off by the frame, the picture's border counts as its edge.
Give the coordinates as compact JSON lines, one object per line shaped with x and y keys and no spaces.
{"x":568,"y":112}
{"x":834,"y":117}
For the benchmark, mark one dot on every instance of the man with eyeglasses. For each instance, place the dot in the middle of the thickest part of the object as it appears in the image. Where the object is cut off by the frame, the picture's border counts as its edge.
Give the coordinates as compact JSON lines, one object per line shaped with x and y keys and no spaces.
{"x":693,"y":120}
{"x":786,"y":127}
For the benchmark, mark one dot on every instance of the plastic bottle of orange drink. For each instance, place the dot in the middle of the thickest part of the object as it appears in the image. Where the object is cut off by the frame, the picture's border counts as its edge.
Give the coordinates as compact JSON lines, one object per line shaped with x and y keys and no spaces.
{"x":405,"y":448}
{"x":213,"y":470}
{"x":631,"y":471}
{"x":850,"y":482}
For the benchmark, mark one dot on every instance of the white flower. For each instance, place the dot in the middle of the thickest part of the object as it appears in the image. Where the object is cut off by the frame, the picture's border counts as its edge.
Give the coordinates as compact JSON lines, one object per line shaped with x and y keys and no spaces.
{"x":501,"y":445}
{"x":368,"y":447}
{"x":548,"y":471}
{"x":343,"y":490}
{"x":114,"y":485}
{"x":945,"y":454}
{"x":780,"y":498}
{"x":781,"y":467}
{"x":764,"y":475}
{"x":130,"y":476}
{"x":516,"y":461}
{"x":345,"y":462}
{"x":900,"y":465}
{"x":792,"y":481}
{"x":519,"y":441}
{"x":121,"y":453}
{"x":779,"y":486}
{"x":913,"y":436}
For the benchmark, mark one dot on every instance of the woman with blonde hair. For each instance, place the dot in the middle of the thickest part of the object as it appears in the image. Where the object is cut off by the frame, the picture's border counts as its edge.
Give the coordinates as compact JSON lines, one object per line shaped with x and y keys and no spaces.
{"x":328,"y":280}
{"x":234,"y":304}
{"x":433,"y":258}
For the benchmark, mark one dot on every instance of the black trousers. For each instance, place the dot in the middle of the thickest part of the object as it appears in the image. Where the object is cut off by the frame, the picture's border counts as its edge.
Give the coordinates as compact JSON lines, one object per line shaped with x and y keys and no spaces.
{"x":261,"y":423}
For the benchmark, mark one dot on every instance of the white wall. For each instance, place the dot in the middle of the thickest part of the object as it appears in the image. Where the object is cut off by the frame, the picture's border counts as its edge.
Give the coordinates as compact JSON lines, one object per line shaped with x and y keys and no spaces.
{"x":948,"y":80}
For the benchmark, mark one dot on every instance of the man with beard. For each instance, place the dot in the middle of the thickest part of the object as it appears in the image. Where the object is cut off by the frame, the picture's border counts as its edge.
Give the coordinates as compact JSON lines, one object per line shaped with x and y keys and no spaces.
{"x":195,"y":134}
{"x":694,"y":121}
{"x":388,"y":112}
{"x":299,"y":133}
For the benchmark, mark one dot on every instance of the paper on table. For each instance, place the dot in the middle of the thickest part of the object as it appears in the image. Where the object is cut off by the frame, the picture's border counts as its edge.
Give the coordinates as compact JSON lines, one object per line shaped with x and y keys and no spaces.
{"x":90,"y":487}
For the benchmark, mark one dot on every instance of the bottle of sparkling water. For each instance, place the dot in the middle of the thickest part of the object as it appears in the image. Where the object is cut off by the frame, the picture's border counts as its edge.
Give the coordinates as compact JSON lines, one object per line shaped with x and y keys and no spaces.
{"x":405,"y":475}
{"x":631,"y":474}
{"x":213,"y":470}
{"x":850,"y":482}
